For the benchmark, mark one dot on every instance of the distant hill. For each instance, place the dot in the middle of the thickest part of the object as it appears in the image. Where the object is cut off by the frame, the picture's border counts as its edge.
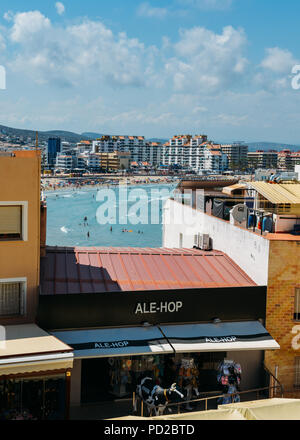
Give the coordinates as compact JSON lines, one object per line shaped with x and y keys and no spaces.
{"x":91,"y":135}
{"x":67,"y":136}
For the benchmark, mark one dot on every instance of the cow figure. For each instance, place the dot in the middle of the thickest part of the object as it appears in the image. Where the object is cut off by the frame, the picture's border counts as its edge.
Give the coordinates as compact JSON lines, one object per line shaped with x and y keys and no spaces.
{"x":155,"y":397}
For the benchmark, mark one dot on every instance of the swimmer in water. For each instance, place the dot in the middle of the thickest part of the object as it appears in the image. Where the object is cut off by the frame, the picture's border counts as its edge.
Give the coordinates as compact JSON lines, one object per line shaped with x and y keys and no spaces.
{"x":88,"y":235}
{"x":111,"y":229}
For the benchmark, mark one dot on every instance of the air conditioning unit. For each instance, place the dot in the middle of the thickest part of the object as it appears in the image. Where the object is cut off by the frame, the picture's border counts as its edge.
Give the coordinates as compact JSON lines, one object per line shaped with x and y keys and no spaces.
{"x":203,"y":242}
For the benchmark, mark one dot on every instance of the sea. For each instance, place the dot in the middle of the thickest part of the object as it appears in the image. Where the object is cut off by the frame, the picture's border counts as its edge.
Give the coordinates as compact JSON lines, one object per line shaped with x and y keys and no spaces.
{"x":117,"y":216}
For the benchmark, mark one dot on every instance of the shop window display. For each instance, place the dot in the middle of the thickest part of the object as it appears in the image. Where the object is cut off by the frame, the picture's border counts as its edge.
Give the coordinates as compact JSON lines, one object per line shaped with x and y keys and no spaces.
{"x":193,"y":373}
{"x":188,"y":378}
{"x":32,"y":399}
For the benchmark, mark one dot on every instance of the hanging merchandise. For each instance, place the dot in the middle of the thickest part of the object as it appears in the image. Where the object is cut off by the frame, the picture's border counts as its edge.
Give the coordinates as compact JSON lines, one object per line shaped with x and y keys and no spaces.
{"x":229,"y":379}
{"x":120,"y":376}
{"x":158,"y":370}
{"x":111,"y":361}
{"x":188,"y":379}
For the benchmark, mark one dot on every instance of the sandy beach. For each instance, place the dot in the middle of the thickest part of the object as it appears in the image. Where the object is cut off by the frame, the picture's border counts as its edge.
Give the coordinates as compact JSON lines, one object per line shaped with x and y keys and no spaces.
{"x":57,"y":183}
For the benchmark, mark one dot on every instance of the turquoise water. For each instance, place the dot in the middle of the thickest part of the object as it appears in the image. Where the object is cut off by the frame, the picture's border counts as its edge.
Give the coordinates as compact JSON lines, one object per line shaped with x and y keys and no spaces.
{"x":66,"y":210}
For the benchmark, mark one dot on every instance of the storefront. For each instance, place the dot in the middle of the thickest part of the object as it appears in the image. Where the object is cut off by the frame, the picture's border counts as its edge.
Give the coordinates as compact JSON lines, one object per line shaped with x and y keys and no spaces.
{"x":35,"y":371}
{"x":169,"y":313}
{"x":112,"y":360}
{"x":157,"y":333}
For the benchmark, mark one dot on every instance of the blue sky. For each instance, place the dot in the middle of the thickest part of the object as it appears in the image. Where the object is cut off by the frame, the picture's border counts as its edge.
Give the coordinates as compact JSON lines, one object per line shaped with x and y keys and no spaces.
{"x":153,"y":68}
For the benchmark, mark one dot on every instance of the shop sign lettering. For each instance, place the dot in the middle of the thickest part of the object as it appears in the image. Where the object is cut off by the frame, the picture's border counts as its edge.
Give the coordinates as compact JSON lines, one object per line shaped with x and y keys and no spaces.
{"x":161,"y":307}
{"x":118,"y":344}
{"x":218,"y":340}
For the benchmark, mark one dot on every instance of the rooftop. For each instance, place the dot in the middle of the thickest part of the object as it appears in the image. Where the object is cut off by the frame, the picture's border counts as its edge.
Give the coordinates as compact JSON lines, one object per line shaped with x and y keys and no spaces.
{"x":278,"y":193}
{"x":98,"y":269}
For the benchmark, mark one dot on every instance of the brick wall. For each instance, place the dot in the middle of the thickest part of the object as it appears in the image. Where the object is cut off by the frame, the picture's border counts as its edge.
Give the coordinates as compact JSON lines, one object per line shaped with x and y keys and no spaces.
{"x":283,"y":278}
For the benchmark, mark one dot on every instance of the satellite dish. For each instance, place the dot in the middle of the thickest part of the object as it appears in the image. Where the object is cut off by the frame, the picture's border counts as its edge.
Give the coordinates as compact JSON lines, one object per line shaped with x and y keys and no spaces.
{"x":240,"y":213}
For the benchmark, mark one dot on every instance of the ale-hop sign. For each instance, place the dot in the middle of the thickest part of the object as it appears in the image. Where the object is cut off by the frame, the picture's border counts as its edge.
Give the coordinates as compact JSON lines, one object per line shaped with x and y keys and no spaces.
{"x":158,"y":307}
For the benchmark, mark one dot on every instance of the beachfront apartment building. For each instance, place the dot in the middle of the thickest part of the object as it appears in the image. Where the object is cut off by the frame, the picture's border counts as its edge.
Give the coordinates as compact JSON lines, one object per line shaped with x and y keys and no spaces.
{"x":139,"y":149}
{"x":287,"y":159}
{"x":83,"y":147}
{"x":262,"y":159}
{"x":194,"y":153}
{"x":257,"y":225}
{"x":65,"y":162}
{"x":94,"y":161}
{"x":237,"y":155}
{"x":109,"y":144}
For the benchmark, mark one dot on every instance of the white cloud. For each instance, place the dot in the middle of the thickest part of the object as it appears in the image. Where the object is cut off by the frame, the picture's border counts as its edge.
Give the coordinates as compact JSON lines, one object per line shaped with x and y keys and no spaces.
{"x":199,"y":109}
{"x":278,"y":60}
{"x":146,"y":10}
{"x":274,"y":73}
{"x":207,"y":61}
{"x":79,"y":53}
{"x":8,"y":16}
{"x":208,"y":4}
{"x":28,"y":25}
{"x":60,"y":8}
{"x":231,"y":119}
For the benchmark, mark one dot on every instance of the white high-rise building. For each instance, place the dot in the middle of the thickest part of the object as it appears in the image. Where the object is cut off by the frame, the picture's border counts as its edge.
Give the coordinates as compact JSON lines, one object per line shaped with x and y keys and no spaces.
{"x":194,"y":153}
{"x":139,"y":149}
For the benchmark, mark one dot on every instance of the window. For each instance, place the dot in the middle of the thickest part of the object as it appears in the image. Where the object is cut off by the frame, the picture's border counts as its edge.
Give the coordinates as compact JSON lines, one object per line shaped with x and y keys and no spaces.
{"x":297,"y":305}
{"x":297,"y":372}
{"x":10,"y":222}
{"x":12,"y":295}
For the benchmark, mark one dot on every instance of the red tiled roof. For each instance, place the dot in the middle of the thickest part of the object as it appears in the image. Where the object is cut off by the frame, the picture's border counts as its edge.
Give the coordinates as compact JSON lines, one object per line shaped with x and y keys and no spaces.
{"x":96,"y":269}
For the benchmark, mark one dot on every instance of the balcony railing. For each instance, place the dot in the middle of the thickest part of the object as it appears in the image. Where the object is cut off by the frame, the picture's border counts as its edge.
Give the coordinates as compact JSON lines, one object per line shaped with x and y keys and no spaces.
{"x":206,"y":403}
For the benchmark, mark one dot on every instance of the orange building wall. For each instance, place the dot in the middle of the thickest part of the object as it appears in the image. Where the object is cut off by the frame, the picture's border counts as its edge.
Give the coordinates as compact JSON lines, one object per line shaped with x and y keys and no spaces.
{"x":20,"y":181}
{"x":284,"y":277}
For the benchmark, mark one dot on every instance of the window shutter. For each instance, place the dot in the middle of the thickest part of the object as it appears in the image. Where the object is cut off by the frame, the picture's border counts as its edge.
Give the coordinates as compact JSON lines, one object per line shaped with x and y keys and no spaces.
{"x":10,"y":219}
{"x":10,"y":299}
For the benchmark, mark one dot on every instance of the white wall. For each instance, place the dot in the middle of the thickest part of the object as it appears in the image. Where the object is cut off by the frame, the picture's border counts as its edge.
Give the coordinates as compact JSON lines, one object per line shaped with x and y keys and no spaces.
{"x":248,"y":250}
{"x":285,"y":223}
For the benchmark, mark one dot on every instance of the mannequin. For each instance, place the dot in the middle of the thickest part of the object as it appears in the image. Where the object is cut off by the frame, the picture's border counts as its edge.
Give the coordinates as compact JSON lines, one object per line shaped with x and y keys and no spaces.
{"x":229,"y":377}
{"x":188,"y":379}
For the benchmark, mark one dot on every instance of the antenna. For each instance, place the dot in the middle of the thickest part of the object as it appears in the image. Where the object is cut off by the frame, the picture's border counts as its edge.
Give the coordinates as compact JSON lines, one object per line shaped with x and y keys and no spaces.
{"x":36,"y":139}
